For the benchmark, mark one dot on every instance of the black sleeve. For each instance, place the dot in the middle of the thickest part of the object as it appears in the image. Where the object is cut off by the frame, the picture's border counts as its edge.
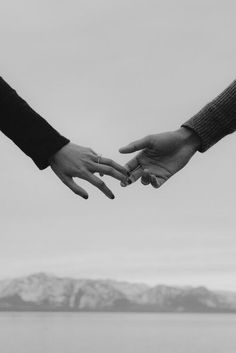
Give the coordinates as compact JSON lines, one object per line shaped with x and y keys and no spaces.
{"x":27,"y":129}
{"x":216,"y":120}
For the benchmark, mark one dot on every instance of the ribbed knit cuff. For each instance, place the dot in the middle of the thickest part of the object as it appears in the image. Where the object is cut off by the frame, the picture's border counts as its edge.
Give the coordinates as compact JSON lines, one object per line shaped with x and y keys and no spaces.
{"x":216,"y":120}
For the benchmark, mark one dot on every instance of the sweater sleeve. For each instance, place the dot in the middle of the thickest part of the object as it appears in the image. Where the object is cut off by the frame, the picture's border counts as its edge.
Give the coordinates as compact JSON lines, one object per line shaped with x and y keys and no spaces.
{"x":27,"y":129}
{"x":216,"y":120}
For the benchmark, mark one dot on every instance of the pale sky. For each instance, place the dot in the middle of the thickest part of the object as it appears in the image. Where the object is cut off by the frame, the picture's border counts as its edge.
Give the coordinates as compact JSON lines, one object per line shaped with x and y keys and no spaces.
{"x":104,"y":73}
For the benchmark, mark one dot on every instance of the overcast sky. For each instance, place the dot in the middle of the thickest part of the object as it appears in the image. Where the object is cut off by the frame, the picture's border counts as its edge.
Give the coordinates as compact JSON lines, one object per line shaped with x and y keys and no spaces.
{"x":103,"y":73}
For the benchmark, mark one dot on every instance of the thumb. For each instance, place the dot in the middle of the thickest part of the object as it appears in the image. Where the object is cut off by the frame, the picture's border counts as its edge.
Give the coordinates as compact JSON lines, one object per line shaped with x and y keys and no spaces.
{"x":135,"y":146}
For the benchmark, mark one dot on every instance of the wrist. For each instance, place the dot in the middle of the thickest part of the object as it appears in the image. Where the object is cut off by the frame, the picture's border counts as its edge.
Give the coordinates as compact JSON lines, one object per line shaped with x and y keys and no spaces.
{"x":190,"y":138}
{"x":53,"y":158}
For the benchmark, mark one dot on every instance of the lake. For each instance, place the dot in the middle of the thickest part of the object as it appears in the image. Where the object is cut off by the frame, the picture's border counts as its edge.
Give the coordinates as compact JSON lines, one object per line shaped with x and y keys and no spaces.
{"x":117,"y":333}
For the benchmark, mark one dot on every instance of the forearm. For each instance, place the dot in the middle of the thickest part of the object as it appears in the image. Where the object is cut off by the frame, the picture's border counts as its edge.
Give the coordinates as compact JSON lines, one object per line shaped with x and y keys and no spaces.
{"x":216,"y":120}
{"x":27,"y":129}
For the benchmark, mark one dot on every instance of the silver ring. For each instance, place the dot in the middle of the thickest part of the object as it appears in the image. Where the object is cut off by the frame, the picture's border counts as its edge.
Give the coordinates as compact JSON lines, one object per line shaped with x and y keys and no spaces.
{"x":99,"y":158}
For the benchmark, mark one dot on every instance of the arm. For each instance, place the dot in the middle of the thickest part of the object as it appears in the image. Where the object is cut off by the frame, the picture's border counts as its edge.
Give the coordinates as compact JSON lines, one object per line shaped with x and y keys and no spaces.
{"x":216,"y":120}
{"x":27,"y":129}
{"x":40,"y":141}
{"x":163,"y":155}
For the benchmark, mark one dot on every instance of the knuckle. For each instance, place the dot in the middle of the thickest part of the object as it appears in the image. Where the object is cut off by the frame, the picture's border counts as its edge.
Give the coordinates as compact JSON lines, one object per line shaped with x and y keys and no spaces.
{"x":82,"y":172}
{"x":89,"y":165}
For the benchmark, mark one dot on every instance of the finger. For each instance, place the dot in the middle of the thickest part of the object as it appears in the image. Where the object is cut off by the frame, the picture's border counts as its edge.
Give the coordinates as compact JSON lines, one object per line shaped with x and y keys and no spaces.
{"x":104,"y":169}
{"x":146,"y":179}
{"x":132,"y":165}
{"x":154,"y":181}
{"x":136,"y":174}
{"x":109,"y":162}
{"x":135,"y":146}
{"x":93,"y":179}
{"x":127,"y":182}
{"x":157,"y":181}
{"x":74,"y":187}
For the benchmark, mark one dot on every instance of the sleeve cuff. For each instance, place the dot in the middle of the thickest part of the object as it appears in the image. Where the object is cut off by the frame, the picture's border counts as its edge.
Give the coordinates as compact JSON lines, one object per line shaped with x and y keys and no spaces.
{"x":216,"y":120}
{"x":48,"y":150}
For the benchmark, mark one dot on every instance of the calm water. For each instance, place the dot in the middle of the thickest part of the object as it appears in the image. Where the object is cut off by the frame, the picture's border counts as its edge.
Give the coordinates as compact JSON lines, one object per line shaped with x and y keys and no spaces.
{"x":116,"y":333}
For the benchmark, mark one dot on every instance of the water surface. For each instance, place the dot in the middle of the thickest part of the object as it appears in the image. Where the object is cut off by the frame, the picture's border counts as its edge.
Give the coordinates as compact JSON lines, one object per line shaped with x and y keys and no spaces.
{"x":117,"y":333}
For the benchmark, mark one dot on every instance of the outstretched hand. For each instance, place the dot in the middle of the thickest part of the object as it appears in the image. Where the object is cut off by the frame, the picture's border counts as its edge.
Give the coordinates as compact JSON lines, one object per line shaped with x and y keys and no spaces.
{"x":82,"y":162}
{"x":161,"y":156}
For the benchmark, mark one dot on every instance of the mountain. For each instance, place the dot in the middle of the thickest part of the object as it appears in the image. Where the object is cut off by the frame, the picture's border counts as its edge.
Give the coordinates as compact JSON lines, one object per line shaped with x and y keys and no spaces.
{"x":44,"y":292}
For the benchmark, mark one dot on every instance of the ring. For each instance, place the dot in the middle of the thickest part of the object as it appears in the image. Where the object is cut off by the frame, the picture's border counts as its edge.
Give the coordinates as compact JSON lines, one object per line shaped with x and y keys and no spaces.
{"x":99,"y":158}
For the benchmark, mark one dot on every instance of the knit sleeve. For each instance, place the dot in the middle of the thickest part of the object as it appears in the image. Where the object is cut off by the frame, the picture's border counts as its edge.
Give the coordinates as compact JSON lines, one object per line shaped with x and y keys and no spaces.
{"x":27,"y":129}
{"x":216,"y":120}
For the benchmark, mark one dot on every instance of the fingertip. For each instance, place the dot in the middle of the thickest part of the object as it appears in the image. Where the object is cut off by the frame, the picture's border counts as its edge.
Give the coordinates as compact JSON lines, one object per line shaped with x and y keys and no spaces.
{"x":155,"y":182}
{"x":124,"y":150}
{"x":110,"y":196}
{"x":145,"y":179}
{"x":121,"y":149}
{"x":144,"y":182}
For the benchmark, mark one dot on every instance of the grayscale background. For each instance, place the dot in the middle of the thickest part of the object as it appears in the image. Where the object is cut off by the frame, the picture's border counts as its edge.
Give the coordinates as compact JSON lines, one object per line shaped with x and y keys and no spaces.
{"x":104,"y":73}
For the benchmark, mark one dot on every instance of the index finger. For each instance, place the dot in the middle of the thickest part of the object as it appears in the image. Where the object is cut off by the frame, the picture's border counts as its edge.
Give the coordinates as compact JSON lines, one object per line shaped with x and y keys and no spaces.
{"x":136,"y":145}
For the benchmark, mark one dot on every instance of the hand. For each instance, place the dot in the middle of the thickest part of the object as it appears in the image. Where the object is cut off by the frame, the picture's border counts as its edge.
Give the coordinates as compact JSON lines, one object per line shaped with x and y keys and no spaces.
{"x":82,"y":162}
{"x":161,"y":157}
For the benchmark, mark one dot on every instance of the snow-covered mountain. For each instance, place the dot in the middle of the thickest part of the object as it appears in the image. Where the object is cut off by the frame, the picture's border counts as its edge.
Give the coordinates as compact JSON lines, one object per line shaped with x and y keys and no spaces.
{"x":43,"y":292}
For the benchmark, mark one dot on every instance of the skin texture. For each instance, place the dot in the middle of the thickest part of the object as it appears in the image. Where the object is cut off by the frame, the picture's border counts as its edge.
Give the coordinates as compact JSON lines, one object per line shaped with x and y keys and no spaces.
{"x":74,"y":161}
{"x":162,"y":155}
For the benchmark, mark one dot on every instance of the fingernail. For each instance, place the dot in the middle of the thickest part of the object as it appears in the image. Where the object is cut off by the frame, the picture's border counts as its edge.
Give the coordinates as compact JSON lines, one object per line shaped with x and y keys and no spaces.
{"x":85,"y":197}
{"x":129,"y":181}
{"x":112,"y":197}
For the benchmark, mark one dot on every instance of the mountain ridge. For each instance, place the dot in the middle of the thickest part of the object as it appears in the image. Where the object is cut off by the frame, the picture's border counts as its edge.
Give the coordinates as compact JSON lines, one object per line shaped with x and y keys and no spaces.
{"x":47,"y":292}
